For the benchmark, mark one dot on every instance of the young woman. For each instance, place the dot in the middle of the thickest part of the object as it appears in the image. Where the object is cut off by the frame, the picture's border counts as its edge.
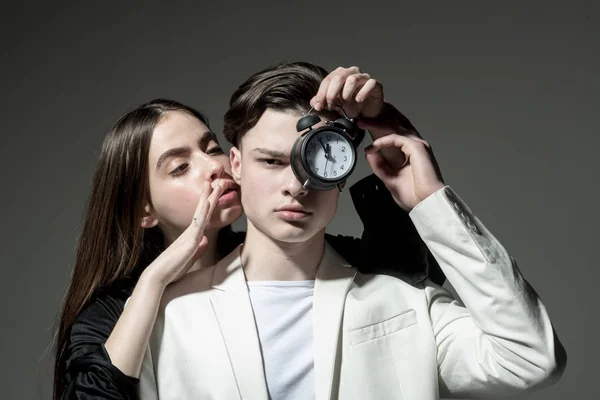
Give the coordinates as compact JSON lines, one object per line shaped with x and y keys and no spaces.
{"x":134,"y":242}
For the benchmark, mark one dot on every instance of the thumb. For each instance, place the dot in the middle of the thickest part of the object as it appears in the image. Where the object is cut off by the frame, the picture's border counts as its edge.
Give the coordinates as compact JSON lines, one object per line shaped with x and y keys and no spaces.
{"x":201,"y":249}
{"x":381,"y":168}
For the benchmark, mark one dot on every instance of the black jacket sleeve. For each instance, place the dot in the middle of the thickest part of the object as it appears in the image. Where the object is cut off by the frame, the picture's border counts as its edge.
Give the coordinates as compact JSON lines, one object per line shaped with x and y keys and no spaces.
{"x":89,"y":373}
{"x":390,"y":242}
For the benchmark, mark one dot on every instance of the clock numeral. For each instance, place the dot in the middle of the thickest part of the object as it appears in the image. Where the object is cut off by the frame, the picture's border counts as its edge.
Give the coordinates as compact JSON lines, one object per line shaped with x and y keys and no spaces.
{"x":313,"y":145}
{"x":317,"y":170}
{"x":328,"y":137}
{"x":343,"y":148}
{"x":334,"y":172}
{"x":325,"y":174}
{"x":342,"y":167}
{"x":345,"y":158}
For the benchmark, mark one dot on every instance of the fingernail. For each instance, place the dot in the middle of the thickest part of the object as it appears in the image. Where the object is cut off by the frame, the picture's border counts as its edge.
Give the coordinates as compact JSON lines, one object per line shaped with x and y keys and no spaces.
{"x":318,"y":106}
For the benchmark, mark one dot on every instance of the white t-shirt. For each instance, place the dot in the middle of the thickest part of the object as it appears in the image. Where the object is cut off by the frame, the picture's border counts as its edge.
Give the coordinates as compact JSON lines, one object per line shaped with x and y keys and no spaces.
{"x":283,"y":313}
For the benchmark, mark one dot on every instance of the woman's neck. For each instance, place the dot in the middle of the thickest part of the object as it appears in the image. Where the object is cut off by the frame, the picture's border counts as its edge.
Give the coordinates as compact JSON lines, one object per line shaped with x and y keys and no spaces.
{"x":266,"y":259}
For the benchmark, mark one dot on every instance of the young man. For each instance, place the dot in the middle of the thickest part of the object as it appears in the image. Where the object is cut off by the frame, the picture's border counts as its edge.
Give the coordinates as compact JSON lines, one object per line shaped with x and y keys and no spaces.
{"x":285,"y":317}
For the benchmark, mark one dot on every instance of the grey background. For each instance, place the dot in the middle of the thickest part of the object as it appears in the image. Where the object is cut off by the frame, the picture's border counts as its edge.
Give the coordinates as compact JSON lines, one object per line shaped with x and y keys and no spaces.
{"x":506,"y":92}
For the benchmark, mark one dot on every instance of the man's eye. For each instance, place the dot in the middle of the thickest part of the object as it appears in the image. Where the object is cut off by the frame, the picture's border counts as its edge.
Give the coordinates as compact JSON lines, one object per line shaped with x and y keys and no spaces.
{"x":270,"y":162}
{"x":180,"y":169}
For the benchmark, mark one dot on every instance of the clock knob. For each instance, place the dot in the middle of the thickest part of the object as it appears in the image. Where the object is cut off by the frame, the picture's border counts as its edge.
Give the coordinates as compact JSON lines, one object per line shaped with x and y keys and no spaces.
{"x":307,"y":121}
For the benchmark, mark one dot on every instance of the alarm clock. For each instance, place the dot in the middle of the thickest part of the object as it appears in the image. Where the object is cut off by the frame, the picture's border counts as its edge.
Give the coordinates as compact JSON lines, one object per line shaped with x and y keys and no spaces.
{"x":323,"y":158}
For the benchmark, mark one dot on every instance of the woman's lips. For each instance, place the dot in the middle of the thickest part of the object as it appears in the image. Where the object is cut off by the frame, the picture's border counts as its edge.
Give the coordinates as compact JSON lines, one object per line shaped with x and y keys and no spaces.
{"x":228,"y":196}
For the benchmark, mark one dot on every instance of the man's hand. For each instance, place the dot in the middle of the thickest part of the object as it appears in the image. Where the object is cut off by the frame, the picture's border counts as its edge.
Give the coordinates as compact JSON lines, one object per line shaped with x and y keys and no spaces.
{"x":398,"y":155}
{"x":357,"y":93}
{"x":411,"y":177}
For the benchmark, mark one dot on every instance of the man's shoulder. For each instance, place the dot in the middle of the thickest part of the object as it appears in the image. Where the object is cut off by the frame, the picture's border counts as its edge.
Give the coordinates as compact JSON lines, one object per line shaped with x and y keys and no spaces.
{"x":199,"y":284}
{"x":193,"y":285}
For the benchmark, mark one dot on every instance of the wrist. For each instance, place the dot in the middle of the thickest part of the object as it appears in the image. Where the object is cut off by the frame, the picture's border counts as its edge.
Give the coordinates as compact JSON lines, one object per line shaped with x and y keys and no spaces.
{"x":152,"y":278}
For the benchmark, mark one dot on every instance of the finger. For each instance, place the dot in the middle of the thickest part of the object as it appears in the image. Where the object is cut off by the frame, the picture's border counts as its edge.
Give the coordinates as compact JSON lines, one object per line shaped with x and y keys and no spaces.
{"x":318,"y":101}
{"x":379,"y":165}
{"x":213,"y":199}
{"x":334,"y":91}
{"x":205,"y":190}
{"x":203,"y":195}
{"x":200,"y":249}
{"x":392,"y":140}
{"x":420,"y":140}
{"x":353,"y":83}
{"x":204,"y":214}
{"x":371,"y":88}
{"x":200,"y":216}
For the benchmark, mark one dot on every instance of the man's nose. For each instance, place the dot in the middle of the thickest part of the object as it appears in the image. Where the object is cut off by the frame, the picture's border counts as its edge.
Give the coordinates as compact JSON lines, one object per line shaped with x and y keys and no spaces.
{"x":293,"y":187}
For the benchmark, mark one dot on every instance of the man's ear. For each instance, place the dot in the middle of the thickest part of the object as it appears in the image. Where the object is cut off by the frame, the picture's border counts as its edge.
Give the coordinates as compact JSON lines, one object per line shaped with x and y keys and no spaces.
{"x":148,"y":220}
{"x":235,"y":158}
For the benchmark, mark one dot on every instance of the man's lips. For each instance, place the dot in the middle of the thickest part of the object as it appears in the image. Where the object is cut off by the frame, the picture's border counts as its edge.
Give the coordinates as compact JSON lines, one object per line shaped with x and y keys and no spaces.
{"x":292,"y":212}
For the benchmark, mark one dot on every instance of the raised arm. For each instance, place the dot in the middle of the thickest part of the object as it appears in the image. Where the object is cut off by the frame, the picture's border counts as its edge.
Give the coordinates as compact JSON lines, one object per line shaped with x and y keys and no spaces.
{"x":501,"y":340}
{"x":108,"y":341}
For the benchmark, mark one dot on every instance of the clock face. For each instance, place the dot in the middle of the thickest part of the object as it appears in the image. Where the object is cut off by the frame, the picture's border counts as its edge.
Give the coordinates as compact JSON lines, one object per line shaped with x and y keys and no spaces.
{"x":329,"y":155}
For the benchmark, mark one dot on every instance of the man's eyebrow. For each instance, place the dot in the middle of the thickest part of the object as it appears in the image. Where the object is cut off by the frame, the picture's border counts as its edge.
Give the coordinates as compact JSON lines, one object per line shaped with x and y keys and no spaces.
{"x":179,"y":151}
{"x":271,"y":153}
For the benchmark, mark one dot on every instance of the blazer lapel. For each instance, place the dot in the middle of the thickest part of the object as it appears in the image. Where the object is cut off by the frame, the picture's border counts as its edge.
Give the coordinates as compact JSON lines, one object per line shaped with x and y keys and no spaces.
{"x":233,"y":309}
{"x":334,"y":278}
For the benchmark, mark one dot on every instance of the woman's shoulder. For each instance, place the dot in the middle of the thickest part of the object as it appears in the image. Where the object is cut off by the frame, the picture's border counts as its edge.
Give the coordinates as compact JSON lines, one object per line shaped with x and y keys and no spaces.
{"x":97,"y":320}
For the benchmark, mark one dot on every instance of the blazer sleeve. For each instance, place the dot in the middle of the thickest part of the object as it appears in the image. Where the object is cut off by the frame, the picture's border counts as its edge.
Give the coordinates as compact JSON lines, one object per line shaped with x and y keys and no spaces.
{"x":89,"y":373}
{"x":498,"y":339}
{"x":386,"y":225}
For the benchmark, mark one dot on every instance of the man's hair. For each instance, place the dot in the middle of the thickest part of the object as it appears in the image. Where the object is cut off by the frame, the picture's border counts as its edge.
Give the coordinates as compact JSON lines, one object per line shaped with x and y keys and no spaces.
{"x":283,"y":87}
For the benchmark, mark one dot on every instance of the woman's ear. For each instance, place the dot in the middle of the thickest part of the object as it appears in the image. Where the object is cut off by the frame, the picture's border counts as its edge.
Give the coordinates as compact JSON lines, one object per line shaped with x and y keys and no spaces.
{"x":235,"y":158}
{"x":148,"y":220}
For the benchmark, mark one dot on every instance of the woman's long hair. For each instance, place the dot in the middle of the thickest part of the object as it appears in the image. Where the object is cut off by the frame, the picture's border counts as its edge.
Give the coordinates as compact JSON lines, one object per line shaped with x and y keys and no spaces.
{"x":113,"y":245}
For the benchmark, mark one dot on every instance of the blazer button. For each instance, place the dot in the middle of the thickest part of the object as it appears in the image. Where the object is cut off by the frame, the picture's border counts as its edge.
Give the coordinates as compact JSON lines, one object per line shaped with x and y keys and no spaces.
{"x":473,"y":227}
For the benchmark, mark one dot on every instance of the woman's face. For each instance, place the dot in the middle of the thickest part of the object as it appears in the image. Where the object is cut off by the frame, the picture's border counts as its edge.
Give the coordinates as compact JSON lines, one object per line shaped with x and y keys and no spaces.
{"x":183,"y":154}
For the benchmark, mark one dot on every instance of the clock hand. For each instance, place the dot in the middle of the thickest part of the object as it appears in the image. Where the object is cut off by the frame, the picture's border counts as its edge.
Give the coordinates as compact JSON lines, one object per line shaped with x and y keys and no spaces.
{"x":322,"y":145}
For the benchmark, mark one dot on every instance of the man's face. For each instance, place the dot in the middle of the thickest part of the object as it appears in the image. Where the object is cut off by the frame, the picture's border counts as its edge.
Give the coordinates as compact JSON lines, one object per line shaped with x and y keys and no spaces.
{"x":273,"y":199}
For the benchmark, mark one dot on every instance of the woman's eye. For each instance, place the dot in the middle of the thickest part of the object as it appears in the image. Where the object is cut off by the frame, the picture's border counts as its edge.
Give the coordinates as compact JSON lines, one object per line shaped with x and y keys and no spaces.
{"x":180,"y":169}
{"x":215,"y":150}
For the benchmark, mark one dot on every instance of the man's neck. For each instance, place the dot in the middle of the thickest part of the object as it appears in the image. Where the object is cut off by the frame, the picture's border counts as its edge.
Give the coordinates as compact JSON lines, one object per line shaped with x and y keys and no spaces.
{"x":265,"y":259}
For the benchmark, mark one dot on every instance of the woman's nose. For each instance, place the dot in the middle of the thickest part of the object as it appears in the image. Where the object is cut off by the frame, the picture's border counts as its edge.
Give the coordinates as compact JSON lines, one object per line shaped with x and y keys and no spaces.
{"x":214,"y":169}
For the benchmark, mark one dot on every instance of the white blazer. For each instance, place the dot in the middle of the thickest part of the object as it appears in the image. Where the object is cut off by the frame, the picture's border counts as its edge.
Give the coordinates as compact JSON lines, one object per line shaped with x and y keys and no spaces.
{"x":375,"y":336}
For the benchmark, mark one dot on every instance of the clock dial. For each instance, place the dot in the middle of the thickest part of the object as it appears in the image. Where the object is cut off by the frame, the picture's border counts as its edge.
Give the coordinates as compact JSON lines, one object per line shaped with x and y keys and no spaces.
{"x":329,"y":155}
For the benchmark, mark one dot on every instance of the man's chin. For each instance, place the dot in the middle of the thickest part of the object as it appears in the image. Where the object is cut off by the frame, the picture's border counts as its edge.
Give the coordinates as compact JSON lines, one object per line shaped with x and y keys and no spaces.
{"x":294,"y":233}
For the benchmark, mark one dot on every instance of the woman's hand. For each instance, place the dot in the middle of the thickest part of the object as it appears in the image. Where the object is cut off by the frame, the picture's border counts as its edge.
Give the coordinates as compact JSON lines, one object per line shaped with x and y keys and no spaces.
{"x":177,"y":259}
